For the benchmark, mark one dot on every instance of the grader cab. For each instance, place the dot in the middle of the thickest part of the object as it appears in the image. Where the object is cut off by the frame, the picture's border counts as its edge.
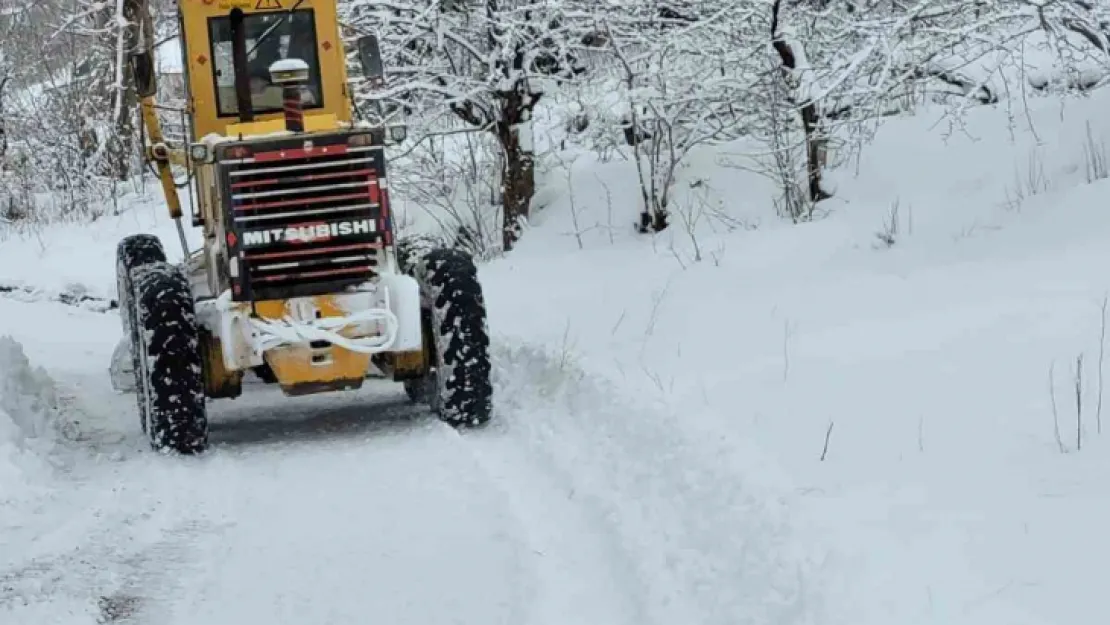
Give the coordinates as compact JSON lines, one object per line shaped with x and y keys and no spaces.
{"x":298,"y":280}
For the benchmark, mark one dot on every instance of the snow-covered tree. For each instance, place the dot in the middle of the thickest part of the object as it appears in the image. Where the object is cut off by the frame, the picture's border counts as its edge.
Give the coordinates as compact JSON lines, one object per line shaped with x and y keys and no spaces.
{"x":488,"y":62}
{"x":808,"y":80}
{"x":673,"y":81}
{"x":67,"y":105}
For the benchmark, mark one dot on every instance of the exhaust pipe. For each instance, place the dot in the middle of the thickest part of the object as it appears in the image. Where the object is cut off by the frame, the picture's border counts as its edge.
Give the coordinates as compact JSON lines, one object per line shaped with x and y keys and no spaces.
{"x":291,"y":74}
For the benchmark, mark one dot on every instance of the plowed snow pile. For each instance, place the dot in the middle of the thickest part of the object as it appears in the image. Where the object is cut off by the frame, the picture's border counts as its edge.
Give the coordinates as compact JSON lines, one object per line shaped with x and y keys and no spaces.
{"x":28,"y":403}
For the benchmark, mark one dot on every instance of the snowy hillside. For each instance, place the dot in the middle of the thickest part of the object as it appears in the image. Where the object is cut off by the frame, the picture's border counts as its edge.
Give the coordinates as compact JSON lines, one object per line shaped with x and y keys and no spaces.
{"x":882,"y":373}
{"x":737,"y":420}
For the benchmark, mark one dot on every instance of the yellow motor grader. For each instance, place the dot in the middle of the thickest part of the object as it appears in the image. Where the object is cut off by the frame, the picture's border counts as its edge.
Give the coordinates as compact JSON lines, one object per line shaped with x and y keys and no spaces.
{"x":298,"y":281}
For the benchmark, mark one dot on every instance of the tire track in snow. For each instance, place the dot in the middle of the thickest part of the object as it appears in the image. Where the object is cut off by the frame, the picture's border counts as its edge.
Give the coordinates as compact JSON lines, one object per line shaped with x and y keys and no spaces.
{"x":400,"y":523}
{"x":116,"y":547}
{"x":396,"y":526}
{"x":86,"y":535}
{"x":337,"y":510}
{"x":709,"y":548}
{"x":581,"y":574}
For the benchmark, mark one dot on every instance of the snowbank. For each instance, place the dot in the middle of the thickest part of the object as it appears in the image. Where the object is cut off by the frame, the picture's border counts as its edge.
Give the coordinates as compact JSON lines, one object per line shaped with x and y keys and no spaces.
{"x":695,"y":510}
{"x":80,"y":258}
{"x":915,"y":400}
{"x":28,"y":408}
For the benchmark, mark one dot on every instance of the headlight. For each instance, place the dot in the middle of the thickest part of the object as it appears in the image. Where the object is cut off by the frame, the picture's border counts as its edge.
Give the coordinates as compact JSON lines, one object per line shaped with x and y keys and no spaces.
{"x":361,"y":140}
{"x":398,"y":133}
{"x":238,"y":152}
{"x":199,"y":153}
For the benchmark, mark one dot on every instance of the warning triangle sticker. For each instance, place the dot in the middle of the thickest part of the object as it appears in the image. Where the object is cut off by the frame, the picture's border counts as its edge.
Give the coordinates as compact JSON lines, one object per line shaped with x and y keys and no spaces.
{"x":268,"y":5}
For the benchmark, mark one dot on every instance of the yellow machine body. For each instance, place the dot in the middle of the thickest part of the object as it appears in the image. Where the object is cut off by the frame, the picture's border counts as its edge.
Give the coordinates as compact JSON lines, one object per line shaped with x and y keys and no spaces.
{"x":196,"y":16}
{"x":298,"y":369}
{"x":304,"y":369}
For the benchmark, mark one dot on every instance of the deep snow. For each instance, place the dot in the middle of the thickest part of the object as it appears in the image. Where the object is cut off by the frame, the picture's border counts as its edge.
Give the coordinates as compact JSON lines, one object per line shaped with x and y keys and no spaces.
{"x":944,"y":491}
{"x":657,"y":452}
{"x":28,"y":406}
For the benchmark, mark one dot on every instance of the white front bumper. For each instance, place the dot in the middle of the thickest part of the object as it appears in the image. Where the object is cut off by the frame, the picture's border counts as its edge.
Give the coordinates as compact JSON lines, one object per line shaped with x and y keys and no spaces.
{"x":382,"y":317}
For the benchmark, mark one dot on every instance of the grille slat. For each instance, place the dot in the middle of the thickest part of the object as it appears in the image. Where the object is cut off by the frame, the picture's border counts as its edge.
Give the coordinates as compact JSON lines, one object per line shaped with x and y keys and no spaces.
{"x":317,"y":211}
{"x":322,"y":250}
{"x":363,"y":259}
{"x":287,"y":168}
{"x":314,"y":200}
{"x":299,"y":179}
{"x":305,"y":220}
{"x":299,"y":190}
{"x":308,"y":275}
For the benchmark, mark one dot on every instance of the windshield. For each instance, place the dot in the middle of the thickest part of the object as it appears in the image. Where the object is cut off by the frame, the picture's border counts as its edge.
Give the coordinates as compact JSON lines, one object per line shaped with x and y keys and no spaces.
{"x":296,"y":38}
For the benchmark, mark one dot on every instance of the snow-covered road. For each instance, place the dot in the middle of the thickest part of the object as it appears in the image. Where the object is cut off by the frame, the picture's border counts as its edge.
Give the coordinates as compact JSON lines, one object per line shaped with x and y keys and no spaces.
{"x":663,"y":449}
{"x":350,"y":508}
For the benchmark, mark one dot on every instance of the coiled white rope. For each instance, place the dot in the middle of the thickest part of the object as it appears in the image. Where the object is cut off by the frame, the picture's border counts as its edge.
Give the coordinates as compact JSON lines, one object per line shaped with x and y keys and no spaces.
{"x":287,"y":331}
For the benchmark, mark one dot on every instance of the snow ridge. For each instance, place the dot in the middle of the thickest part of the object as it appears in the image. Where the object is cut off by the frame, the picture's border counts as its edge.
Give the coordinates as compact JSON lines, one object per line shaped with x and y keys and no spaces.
{"x":704,"y":544}
{"x":28,"y":416}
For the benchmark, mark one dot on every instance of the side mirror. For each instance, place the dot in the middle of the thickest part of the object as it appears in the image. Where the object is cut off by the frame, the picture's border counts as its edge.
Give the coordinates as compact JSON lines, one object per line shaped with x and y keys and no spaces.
{"x":370,"y":57}
{"x":142,"y":70}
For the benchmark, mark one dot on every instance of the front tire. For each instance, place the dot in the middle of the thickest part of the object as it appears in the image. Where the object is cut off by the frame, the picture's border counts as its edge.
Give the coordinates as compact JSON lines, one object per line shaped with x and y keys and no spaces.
{"x":132,"y":252}
{"x":169,"y":371}
{"x":458,"y":387}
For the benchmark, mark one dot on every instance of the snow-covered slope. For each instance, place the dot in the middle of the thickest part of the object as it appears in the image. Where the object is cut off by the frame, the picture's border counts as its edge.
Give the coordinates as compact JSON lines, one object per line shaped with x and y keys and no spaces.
{"x":736,"y":421}
{"x":896,"y":393}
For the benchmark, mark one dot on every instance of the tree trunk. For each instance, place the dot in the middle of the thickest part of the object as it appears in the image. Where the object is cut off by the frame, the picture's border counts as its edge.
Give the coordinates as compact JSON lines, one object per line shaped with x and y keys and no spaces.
{"x":810,"y":118}
{"x":518,"y":167}
{"x":3,"y":125}
{"x":518,"y":185}
{"x":125,"y":132}
{"x":814,"y":152}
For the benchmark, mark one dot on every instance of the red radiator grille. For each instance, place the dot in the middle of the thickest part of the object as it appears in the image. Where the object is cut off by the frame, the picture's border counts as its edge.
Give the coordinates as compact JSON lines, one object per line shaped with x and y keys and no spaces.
{"x":305,"y":221}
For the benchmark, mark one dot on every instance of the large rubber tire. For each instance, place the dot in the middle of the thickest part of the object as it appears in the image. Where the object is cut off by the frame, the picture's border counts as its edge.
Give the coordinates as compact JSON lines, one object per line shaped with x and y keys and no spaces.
{"x":458,"y":387}
{"x":169,"y":370}
{"x":132,"y":252}
{"x":412,"y":248}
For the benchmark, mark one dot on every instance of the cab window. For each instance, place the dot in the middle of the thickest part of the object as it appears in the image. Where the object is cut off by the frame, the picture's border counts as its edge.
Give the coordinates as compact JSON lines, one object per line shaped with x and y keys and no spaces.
{"x":293,"y":38}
